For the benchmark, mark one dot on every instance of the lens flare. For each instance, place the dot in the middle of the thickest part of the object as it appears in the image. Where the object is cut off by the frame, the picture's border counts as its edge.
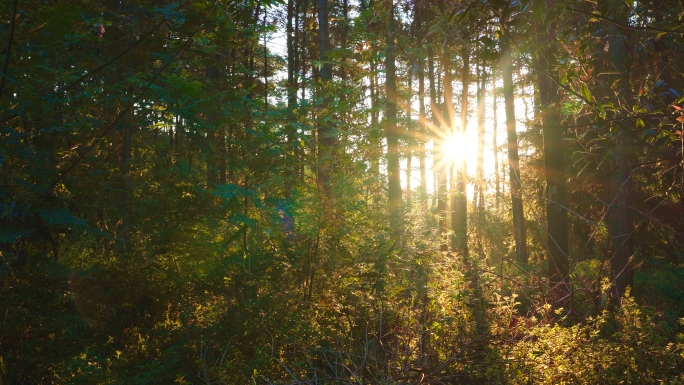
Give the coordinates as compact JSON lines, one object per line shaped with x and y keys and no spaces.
{"x":455,"y":148}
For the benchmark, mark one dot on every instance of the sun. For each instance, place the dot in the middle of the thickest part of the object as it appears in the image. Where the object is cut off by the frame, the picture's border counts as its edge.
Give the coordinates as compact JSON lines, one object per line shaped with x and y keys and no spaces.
{"x":454,"y":148}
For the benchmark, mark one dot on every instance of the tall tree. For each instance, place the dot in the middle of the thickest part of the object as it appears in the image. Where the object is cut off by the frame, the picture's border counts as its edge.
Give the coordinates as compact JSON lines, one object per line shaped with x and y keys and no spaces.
{"x":554,"y":153}
{"x":212,"y":74}
{"x":393,"y":168}
{"x":519,"y":231}
{"x":480,"y":186}
{"x":410,"y":128}
{"x":448,"y":126}
{"x":292,"y":72}
{"x":459,"y":177}
{"x":620,"y":212}
{"x":423,"y":133}
{"x":325,"y":130}
{"x":495,"y":144}
{"x":439,"y":174}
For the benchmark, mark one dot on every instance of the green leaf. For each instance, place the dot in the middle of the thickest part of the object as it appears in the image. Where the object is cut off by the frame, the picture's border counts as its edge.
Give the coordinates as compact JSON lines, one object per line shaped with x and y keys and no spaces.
{"x":584,"y":91}
{"x":229,"y":191}
{"x":169,"y":12}
{"x":59,"y":216}
{"x":241,"y":219}
{"x":640,"y":123}
{"x":8,"y":234}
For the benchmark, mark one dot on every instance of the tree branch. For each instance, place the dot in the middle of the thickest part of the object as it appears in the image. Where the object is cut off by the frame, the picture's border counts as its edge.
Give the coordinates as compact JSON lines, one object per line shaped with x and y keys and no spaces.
{"x":9,"y":48}
{"x":622,"y":25}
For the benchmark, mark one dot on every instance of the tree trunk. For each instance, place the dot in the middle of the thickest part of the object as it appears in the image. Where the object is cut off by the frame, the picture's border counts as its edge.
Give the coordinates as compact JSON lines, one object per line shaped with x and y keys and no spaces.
{"x":459,"y":200}
{"x":411,"y":134}
{"x":554,"y":157}
{"x":393,"y":168}
{"x":345,"y":36}
{"x":513,"y":164}
{"x":478,"y":198}
{"x":291,"y":90}
{"x":423,"y":134}
{"x":211,"y":157}
{"x":448,"y":127}
{"x":438,"y":166}
{"x":495,"y":144}
{"x":437,"y":198}
{"x":325,"y":140}
{"x":620,"y":214}
{"x":374,"y":117}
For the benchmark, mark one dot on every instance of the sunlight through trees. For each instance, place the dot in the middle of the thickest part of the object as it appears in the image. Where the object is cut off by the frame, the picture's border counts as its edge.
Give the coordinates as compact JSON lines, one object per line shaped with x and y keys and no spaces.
{"x":341,"y":191}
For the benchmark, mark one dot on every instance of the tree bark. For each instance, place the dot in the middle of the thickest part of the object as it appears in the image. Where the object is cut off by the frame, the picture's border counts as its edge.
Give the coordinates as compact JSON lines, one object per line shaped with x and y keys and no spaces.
{"x":374,"y":116}
{"x":393,"y":168}
{"x":293,"y":147}
{"x":448,"y":123}
{"x":478,"y":197}
{"x":620,"y":214}
{"x":411,"y":134}
{"x":495,"y":144}
{"x":438,"y":167}
{"x":325,"y":140}
{"x":513,"y":163}
{"x":212,"y":117}
{"x":459,"y":200}
{"x":423,"y":134}
{"x":345,"y":36}
{"x":554,"y":155}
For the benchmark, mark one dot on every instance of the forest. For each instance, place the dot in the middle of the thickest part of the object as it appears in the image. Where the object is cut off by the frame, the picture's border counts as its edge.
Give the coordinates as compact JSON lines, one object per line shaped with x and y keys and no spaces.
{"x":341,"y":192}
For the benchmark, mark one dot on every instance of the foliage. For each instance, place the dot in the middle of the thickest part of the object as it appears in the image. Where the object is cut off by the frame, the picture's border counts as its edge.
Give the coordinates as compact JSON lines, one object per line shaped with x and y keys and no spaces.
{"x":163,"y":218}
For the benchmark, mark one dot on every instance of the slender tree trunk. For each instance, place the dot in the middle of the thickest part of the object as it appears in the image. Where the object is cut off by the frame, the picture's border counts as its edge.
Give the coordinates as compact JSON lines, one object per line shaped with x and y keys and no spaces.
{"x":265,"y":66}
{"x":220,"y":130}
{"x":554,"y":157}
{"x":438,"y":167}
{"x":681,"y":181}
{"x":448,"y":126}
{"x":127,"y":158}
{"x":325,"y":141}
{"x":250,"y":80}
{"x":423,"y":134}
{"x":345,"y":35}
{"x":233,"y":126}
{"x":171,"y":139}
{"x":513,"y":164}
{"x":304,"y":53}
{"x":478,"y":197}
{"x":212,"y":166}
{"x":393,"y":168}
{"x":409,"y":161}
{"x":459,"y":221}
{"x":221,"y":155}
{"x":375,"y":118}
{"x":291,"y":73}
{"x":478,"y":79}
{"x":411,"y":134}
{"x":620,"y":217}
{"x":437,"y":200}
{"x":495,"y":144}
{"x":620,"y":214}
